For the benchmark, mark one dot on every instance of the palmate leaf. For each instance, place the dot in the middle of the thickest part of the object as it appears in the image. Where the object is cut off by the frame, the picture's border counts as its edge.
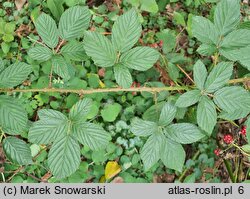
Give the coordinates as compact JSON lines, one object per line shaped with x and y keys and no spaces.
{"x":184,"y":133}
{"x":206,"y":114}
{"x":126,"y":31}
{"x":13,"y":117}
{"x":56,"y":8}
{"x":123,"y":76}
{"x":236,"y":39}
{"x":74,"y":50}
{"x":188,"y":99}
{"x":100,"y":49}
{"x":207,"y":49}
{"x":73,"y":22}
{"x":173,"y":155}
{"x":151,"y":151}
{"x":167,"y":115}
{"x":219,"y":76}
{"x":80,"y":110}
{"x":52,"y":124}
{"x":200,"y":74}
{"x":204,"y":30}
{"x":227,"y":16}
{"x":141,"y":127}
{"x":92,"y":135}
{"x":139,"y":58}
{"x":235,"y":115}
{"x":14,"y":75}
{"x":47,"y":30}
{"x":40,"y":53}
{"x":17,"y":151}
{"x":232,"y":98}
{"x":62,"y":68}
{"x":64,"y":157}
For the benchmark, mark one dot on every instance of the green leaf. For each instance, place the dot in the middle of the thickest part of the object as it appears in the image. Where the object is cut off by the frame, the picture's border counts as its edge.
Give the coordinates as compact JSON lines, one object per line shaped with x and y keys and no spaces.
{"x":14,"y":75}
{"x":62,"y":68}
{"x":13,"y":117}
{"x":188,"y":99}
{"x":179,"y":19}
{"x":40,"y":53}
{"x":123,"y":76}
{"x":47,"y":30}
{"x":219,"y":76}
{"x":64,"y":157}
{"x":200,"y":74}
{"x":207,"y":49}
{"x":52,"y":124}
{"x":153,"y":113}
{"x":74,"y":50}
{"x":80,"y":110}
{"x":232,"y":98}
{"x":141,"y":127}
{"x":126,"y":31}
{"x":241,"y":54}
{"x":100,"y":49}
{"x":227,"y":16}
{"x":5,"y":47}
{"x":73,"y":22}
{"x":190,"y":178}
{"x":246,"y":148}
{"x":204,"y":30}
{"x":236,"y":39}
{"x":17,"y":151}
{"x":235,"y":115}
{"x":149,"y":6}
{"x":173,"y":155}
{"x":110,"y":112}
{"x":140,"y":58}
{"x":56,"y":8}
{"x":167,"y":115}
{"x":91,"y":135}
{"x":206,"y":114}
{"x":8,"y":38}
{"x":2,"y":67}
{"x":184,"y":133}
{"x":150,"y":152}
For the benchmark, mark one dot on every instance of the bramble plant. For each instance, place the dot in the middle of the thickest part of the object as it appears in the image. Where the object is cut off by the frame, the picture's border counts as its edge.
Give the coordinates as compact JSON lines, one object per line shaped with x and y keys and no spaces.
{"x":157,"y":125}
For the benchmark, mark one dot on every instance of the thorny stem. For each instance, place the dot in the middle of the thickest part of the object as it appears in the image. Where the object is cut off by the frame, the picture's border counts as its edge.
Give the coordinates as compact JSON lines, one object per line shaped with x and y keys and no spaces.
{"x":109,"y":90}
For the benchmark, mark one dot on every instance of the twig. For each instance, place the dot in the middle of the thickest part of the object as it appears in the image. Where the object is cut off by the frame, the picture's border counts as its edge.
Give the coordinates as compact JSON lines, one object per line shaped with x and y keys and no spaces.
{"x":15,"y":172}
{"x":182,"y":70}
{"x":34,"y":177}
{"x":108,"y":90}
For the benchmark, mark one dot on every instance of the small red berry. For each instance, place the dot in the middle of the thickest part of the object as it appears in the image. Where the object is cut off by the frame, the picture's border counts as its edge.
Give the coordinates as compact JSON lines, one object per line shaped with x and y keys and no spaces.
{"x":243,"y":131}
{"x":228,"y":139}
{"x":217,"y":152}
{"x":160,"y":44}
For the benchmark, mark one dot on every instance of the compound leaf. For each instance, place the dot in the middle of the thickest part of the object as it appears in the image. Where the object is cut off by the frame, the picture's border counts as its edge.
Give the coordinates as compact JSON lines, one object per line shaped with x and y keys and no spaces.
{"x":150,"y":152}
{"x":13,"y":117}
{"x":140,"y":58}
{"x":173,"y":155}
{"x":47,"y":30}
{"x":184,"y":133}
{"x":64,"y":157}
{"x":126,"y":31}
{"x":227,"y":16}
{"x":219,"y":76}
{"x":206,"y":114}
{"x":141,"y":127}
{"x":188,"y":99}
{"x":92,"y":135}
{"x":73,"y":22}
{"x":100,"y":49}
{"x":14,"y":75}
{"x":200,"y":74}
{"x":17,"y":151}
{"x":123,"y":76}
{"x":40,"y":53}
